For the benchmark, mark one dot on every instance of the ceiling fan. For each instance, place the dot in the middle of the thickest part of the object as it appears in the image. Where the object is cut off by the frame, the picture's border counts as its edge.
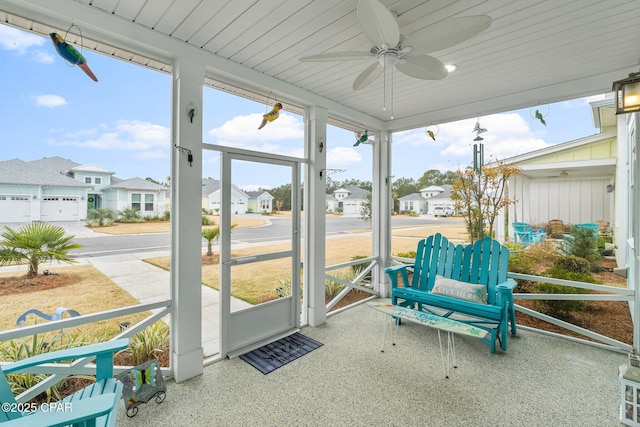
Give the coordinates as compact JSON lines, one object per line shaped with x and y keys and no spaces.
{"x":407,"y":54}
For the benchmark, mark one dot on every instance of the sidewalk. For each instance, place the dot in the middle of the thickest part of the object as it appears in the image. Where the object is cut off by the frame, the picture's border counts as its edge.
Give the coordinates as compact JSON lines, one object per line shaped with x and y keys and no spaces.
{"x":148,"y":283}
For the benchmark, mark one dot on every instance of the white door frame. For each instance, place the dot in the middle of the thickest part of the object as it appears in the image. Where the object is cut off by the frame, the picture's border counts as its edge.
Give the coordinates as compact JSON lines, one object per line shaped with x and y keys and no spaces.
{"x":250,"y":328}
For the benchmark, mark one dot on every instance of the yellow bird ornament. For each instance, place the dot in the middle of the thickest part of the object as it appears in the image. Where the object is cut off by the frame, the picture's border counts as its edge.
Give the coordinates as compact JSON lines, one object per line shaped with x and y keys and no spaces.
{"x":271,"y":115}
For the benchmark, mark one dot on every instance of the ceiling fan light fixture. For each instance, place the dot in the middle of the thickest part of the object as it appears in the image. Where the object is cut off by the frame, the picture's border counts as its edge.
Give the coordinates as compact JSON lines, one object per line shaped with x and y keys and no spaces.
{"x":451,"y":67}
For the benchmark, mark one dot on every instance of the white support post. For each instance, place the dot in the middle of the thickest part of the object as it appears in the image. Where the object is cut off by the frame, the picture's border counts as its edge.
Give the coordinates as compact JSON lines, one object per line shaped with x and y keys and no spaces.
{"x":634,"y":140}
{"x":314,"y":214}
{"x":186,"y":236}
{"x":381,"y":208}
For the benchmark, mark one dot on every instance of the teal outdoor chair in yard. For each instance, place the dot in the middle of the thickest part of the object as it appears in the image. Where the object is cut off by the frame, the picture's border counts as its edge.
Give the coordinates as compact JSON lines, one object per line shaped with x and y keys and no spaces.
{"x":94,"y":405}
{"x":525,"y":234}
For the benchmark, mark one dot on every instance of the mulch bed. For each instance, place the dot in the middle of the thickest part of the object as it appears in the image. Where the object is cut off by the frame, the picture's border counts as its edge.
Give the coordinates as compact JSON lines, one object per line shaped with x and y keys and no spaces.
{"x":20,"y":284}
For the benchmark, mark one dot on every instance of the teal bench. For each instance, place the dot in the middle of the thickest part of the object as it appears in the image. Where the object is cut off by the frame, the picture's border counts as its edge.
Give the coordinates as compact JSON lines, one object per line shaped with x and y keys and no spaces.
{"x":94,"y":405}
{"x":465,"y":282}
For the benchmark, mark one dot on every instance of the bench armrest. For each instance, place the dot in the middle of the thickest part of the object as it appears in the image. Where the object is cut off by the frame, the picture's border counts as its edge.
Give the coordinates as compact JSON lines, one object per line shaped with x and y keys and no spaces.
{"x":76,"y":412}
{"x":393,"y":271}
{"x":504,"y":292}
{"x":103,"y":353}
{"x":508,"y":286}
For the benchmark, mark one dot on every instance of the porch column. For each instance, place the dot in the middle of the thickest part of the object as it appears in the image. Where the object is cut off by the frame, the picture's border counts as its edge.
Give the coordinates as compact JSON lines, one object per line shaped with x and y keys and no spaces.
{"x":634,"y":139}
{"x":314,"y":213}
{"x":381,"y":209}
{"x":186,"y":228}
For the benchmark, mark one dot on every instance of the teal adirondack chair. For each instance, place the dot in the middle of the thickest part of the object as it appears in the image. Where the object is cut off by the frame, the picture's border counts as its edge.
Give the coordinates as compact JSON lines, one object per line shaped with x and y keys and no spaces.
{"x":94,"y":405}
{"x":525,"y":234}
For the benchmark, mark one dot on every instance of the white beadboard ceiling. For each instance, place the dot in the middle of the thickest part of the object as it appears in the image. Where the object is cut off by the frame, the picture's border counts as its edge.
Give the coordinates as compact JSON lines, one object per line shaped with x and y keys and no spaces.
{"x":535,"y":52}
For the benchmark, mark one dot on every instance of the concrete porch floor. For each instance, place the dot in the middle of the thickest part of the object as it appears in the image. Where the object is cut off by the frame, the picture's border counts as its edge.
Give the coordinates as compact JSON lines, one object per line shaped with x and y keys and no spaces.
{"x":538,"y":381}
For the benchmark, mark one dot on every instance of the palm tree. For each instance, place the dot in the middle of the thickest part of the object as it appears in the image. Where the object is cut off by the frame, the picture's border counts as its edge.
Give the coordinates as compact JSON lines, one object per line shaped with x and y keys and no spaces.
{"x":101,"y":216}
{"x":211,"y":234}
{"x":35,"y":243}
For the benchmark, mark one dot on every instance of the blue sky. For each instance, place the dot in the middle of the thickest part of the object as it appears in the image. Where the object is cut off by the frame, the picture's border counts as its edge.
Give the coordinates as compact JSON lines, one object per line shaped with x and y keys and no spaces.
{"x":122,"y":123}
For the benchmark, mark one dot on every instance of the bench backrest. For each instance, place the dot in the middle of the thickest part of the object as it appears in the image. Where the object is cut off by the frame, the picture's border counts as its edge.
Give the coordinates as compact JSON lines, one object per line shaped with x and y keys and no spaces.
{"x":484,"y":262}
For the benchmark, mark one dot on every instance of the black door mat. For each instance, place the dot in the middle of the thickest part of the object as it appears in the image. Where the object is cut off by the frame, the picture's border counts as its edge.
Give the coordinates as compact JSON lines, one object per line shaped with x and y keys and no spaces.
{"x":270,"y":357}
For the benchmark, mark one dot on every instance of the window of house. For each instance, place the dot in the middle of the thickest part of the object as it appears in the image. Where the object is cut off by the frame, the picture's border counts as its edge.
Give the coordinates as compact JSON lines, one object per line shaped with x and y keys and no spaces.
{"x":87,"y":180}
{"x":136,"y":199}
{"x":148,"y":202}
{"x":97,"y":180}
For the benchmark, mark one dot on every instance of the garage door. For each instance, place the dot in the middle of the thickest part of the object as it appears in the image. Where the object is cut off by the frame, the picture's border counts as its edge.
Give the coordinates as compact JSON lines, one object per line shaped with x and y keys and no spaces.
{"x":59,"y":208}
{"x":15,"y":208}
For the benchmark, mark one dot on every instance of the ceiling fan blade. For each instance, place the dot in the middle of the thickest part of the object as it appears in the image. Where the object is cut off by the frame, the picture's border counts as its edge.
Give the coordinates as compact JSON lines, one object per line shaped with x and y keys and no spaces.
{"x":367,"y":77}
{"x":378,"y":24}
{"x":446,"y":33}
{"x":337,"y":56}
{"x":422,"y":67}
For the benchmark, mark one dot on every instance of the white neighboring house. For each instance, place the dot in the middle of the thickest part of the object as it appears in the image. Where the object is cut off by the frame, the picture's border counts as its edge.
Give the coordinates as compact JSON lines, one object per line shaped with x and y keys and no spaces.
{"x":260,"y":201}
{"x":56,"y":189}
{"x":146,"y":197}
{"x":413,"y":202}
{"x":211,"y":198}
{"x":427,"y":199}
{"x":348,"y":200}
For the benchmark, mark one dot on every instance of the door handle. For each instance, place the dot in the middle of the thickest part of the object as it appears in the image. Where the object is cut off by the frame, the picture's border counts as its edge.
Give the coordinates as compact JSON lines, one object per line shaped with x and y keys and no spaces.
{"x":241,"y":260}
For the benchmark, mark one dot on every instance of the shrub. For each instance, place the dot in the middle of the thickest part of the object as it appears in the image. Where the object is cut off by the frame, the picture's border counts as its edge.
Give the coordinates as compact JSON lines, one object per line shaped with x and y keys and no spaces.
{"x":407,"y":254}
{"x":100,"y":217}
{"x":584,"y":244}
{"x":359,"y":268}
{"x":573,"y":264}
{"x":14,"y":350}
{"x":523,"y":264}
{"x":333,"y":288}
{"x":544,"y":252}
{"x":206,"y":220}
{"x":562,"y":309}
{"x":149,"y":343}
{"x":129,"y":215}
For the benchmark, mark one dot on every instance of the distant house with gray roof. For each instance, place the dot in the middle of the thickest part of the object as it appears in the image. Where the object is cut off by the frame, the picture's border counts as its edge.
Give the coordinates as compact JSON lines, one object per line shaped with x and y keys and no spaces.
{"x":427,"y":199}
{"x":57,"y":189}
{"x":348,"y":200}
{"x":211,"y":198}
{"x":260,"y":201}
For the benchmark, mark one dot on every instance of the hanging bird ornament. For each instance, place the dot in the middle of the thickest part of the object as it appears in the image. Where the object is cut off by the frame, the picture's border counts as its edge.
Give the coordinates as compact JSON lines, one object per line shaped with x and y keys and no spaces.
{"x":431,"y":134}
{"x":539,"y":116}
{"x":271,"y":115}
{"x":71,"y":54}
{"x":360,"y":138}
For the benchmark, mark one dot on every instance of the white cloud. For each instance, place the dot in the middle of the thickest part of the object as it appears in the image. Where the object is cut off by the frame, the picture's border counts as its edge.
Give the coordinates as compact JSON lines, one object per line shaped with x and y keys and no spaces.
{"x":507,"y":135}
{"x":42,"y":56}
{"x":17,"y":40}
{"x":50,"y":101}
{"x":147,"y":140}
{"x":242,"y":129}
{"x":342,"y":156}
{"x":285,"y":135}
